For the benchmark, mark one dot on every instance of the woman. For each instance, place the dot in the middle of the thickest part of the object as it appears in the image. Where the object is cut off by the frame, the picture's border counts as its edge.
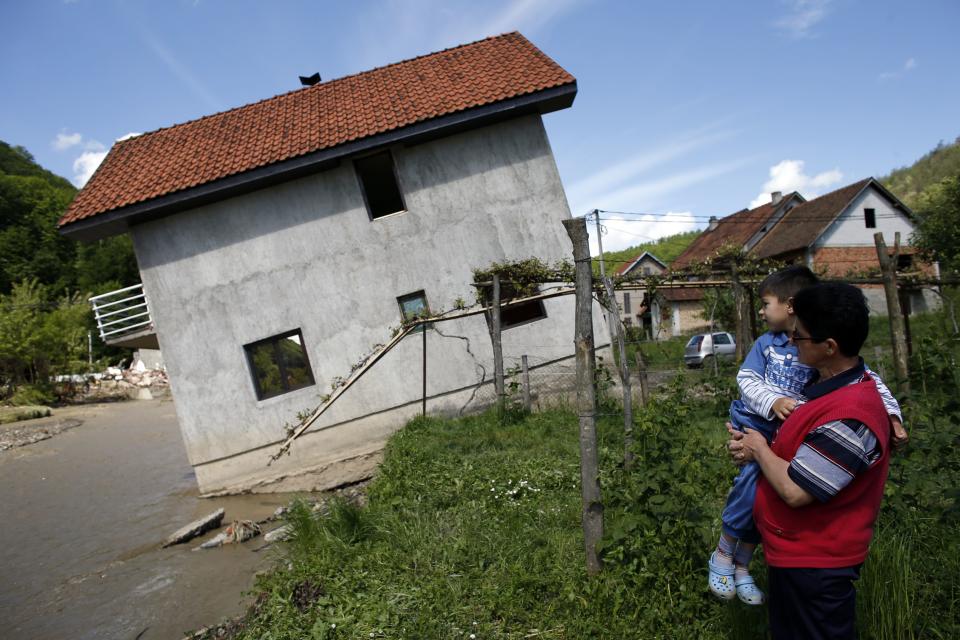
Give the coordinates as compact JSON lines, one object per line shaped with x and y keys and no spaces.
{"x":823,"y":475}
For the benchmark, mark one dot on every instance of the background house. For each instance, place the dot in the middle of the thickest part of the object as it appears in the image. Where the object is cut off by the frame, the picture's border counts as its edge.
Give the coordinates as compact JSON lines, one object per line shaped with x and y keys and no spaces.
{"x":832,"y":234}
{"x":634,"y":307}
{"x":280,"y":241}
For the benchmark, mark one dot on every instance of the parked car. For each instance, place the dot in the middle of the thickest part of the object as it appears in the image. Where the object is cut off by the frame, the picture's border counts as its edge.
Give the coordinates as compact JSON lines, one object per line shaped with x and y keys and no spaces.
{"x":704,"y":346}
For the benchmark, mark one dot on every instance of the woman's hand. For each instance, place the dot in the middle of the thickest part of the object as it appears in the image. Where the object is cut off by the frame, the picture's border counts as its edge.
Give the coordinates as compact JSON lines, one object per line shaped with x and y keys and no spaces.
{"x":745,"y":446}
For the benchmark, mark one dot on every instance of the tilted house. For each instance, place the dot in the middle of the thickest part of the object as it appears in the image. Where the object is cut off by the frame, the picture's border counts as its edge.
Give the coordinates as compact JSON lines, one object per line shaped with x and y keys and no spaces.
{"x":279,"y":242}
{"x":831,"y":234}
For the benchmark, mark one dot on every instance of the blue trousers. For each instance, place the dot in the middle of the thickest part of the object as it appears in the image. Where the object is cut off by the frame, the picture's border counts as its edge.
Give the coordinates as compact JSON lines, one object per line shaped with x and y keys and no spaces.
{"x":737,"y":516}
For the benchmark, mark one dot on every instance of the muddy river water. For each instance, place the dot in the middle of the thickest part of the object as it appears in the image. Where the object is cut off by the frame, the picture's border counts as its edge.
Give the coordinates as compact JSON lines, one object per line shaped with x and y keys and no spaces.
{"x":82,"y":516}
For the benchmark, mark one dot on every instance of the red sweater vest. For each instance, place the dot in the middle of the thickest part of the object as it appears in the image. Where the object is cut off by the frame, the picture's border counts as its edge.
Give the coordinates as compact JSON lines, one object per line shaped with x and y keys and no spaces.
{"x":835,"y":533}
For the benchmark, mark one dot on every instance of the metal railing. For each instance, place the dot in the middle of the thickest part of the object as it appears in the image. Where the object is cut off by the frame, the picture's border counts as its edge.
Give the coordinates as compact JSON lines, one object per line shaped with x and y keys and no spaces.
{"x":121,"y":312}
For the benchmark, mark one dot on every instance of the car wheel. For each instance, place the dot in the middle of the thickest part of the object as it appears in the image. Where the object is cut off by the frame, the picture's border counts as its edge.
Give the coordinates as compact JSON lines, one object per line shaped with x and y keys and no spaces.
{"x":707,"y":361}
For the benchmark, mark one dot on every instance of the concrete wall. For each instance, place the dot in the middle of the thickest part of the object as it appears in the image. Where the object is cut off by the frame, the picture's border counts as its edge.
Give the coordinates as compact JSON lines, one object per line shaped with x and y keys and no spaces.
{"x":305,"y":255}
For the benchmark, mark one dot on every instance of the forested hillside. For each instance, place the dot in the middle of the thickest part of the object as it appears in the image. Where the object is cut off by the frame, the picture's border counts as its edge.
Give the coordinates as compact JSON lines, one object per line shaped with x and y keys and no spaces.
{"x":931,"y":187}
{"x":665,"y":249}
{"x":45,"y":279}
{"x":908,"y":183}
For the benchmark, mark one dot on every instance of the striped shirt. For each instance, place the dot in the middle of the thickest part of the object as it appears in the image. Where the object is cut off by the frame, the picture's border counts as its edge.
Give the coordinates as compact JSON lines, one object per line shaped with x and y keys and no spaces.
{"x":833,"y":454}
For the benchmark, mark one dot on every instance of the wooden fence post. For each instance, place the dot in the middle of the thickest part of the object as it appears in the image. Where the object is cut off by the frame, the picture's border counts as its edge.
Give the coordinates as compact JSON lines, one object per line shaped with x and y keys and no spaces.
{"x":615,"y":330}
{"x":642,"y":369}
{"x":592,"y":514}
{"x":741,"y":314}
{"x":527,"y":404}
{"x":495,"y":337}
{"x":898,"y":338}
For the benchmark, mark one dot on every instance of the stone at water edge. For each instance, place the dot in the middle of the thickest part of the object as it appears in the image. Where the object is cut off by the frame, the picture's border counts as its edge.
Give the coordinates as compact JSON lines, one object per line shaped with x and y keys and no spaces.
{"x":280,"y":533}
{"x":195,"y":528}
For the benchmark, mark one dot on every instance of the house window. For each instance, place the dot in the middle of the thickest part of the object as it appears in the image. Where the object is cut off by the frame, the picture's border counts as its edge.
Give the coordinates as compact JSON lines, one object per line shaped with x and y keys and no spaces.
{"x":518,"y":314}
{"x":904,"y":262}
{"x":647,"y":271}
{"x":413,"y":306}
{"x":626,"y":302}
{"x":379,"y":183}
{"x":870,"y":218}
{"x":279,"y":364}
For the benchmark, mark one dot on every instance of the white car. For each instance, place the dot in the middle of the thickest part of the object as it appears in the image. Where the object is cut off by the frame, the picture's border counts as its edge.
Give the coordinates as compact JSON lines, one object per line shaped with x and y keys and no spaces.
{"x":704,"y":346}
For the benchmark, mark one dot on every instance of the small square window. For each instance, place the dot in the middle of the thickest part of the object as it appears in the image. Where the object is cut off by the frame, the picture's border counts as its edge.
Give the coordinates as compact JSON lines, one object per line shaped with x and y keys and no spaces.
{"x":904,"y":262}
{"x":413,"y":306}
{"x":379,"y":183}
{"x":279,"y":365}
{"x":870,"y":218}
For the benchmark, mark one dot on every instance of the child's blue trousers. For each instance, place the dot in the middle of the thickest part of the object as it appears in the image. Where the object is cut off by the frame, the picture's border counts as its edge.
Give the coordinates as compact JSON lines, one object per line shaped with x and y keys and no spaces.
{"x":737,"y":517}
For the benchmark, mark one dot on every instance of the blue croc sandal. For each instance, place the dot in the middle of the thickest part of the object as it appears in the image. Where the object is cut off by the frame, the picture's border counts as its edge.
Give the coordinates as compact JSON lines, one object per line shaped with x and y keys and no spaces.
{"x":721,"y":581}
{"x":747,"y":591}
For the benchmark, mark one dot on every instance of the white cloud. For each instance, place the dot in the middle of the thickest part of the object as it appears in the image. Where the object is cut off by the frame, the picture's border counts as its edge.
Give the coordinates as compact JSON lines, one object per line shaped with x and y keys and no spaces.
{"x":127,"y":136}
{"x":907,"y":67}
{"x":64,"y":141}
{"x":802,"y":16}
{"x":85,"y":165}
{"x":621,"y":232}
{"x":789,"y":175}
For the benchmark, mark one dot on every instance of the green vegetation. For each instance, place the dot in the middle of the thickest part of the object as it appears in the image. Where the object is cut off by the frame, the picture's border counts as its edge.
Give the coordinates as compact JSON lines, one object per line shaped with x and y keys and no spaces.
{"x":909,"y":183}
{"x":666,"y":249}
{"x":16,"y":414}
{"x":473,"y":527}
{"x":46,"y":278}
{"x":931,"y":187}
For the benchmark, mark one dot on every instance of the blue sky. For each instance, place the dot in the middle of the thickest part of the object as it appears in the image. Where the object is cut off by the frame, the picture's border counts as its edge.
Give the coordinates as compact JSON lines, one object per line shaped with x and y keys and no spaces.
{"x":685,"y":109}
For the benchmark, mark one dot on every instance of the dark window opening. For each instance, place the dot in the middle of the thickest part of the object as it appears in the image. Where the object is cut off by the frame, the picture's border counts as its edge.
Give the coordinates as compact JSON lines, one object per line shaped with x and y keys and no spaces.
{"x":516,"y":315}
{"x":413,"y":306}
{"x":904,"y":262}
{"x":626,"y":302}
{"x":279,"y":365}
{"x":870,"y":218}
{"x":379,"y":181}
{"x":721,"y":338}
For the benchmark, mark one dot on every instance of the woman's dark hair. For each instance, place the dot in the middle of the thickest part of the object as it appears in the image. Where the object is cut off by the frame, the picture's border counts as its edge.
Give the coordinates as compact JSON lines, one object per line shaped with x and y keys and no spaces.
{"x":834,"y":310}
{"x":787,"y":282}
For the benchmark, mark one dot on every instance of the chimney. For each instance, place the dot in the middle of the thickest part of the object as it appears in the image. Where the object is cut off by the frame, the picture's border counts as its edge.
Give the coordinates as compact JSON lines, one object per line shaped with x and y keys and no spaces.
{"x":776,"y":197}
{"x":712,"y":224}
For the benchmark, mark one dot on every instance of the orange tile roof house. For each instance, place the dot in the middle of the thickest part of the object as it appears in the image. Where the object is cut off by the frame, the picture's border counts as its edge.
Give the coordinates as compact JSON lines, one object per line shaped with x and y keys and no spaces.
{"x":280,"y":241}
{"x":832,"y":234}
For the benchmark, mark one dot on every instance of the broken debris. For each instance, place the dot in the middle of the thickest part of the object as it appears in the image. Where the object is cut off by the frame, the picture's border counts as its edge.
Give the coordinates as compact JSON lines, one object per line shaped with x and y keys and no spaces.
{"x":195,"y":528}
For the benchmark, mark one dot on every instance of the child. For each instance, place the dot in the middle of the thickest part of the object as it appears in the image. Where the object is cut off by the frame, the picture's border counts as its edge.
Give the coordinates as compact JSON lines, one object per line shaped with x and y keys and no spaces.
{"x":771,"y":382}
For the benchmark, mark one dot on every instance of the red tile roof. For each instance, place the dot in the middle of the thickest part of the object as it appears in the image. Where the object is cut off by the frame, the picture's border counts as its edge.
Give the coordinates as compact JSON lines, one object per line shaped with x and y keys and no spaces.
{"x":735,"y":229}
{"x":300,"y":122}
{"x":802,"y":225}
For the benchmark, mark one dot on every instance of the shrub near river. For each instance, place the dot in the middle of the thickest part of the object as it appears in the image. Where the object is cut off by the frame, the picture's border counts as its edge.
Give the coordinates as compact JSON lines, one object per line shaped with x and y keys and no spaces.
{"x":472,"y":530}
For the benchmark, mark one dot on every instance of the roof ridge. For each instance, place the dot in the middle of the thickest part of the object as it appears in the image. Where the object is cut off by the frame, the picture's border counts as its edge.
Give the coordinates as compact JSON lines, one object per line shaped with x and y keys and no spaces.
{"x":318,"y":85}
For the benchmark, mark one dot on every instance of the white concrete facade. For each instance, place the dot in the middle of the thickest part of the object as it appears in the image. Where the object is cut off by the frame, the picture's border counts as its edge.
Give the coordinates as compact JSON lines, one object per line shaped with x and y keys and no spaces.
{"x":305,"y":255}
{"x":850,"y":230}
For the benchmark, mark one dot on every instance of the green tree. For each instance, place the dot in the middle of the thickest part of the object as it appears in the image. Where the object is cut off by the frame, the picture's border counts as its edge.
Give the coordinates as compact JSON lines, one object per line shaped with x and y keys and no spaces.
{"x":938,"y":234}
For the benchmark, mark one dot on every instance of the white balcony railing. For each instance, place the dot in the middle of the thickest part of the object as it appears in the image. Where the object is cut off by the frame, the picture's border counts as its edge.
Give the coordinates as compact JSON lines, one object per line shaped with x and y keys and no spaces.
{"x":121,"y":313}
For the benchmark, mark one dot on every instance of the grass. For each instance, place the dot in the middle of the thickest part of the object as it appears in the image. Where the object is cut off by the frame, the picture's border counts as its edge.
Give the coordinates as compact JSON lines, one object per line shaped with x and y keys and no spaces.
{"x":472,"y":529}
{"x":16,"y":414}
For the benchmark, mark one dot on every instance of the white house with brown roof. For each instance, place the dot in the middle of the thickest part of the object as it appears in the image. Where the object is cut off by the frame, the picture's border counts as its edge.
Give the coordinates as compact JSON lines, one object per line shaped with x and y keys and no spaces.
{"x":280,"y":241}
{"x":832,"y":234}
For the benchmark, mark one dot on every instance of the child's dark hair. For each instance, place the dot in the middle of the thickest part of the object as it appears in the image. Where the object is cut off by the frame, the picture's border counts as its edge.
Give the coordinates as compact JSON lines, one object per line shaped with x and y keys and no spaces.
{"x":787,"y":282}
{"x":834,"y":310}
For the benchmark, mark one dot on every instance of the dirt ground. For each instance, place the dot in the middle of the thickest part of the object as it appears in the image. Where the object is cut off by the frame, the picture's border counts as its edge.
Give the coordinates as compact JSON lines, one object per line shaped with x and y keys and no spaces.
{"x":84,"y":511}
